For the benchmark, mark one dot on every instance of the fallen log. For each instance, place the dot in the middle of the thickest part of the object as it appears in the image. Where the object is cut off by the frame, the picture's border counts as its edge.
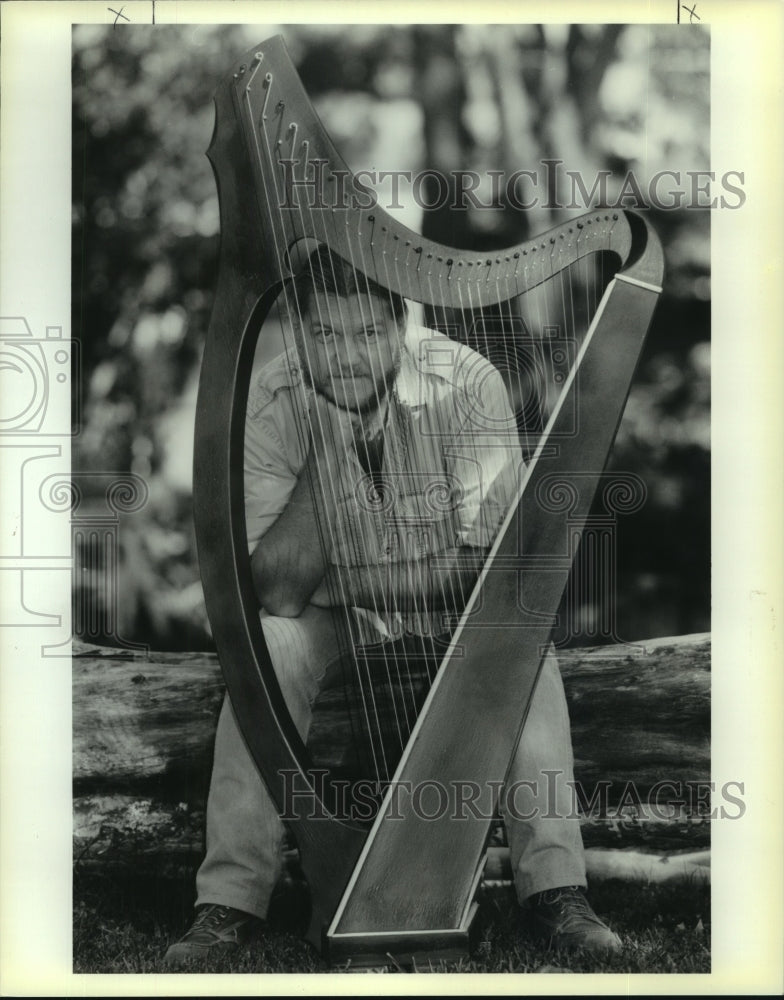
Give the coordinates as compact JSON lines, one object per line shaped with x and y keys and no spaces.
{"x":143,"y":727}
{"x":605,"y":863}
{"x":128,"y":832}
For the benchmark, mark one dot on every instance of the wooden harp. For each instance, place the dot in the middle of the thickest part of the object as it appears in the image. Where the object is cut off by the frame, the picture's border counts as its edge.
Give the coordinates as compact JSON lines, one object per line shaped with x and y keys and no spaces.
{"x":364,"y":904}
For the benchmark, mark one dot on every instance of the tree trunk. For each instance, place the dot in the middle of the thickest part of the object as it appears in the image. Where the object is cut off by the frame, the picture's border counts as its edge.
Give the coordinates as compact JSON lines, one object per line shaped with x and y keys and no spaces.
{"x":143,"y":727}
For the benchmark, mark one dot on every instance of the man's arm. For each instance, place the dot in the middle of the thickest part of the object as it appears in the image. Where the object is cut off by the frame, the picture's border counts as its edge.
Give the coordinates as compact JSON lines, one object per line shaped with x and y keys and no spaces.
{"x":289,"y":560}
{"x":288,"y":563}
{"x":442,"y":582}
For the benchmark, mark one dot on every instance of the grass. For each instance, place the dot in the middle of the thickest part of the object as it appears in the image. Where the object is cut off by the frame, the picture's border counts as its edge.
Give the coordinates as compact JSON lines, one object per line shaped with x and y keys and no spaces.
{"x":124,"y":923}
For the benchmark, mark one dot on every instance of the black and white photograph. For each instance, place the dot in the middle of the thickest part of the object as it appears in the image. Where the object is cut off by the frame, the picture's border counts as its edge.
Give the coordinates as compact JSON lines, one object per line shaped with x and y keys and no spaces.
{"x":407,"y":497}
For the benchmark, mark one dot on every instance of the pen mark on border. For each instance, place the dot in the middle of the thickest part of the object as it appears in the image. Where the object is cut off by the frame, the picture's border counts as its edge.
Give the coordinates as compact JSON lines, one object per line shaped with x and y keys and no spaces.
{"x":692,"y":11}
{"x":119,"y":14}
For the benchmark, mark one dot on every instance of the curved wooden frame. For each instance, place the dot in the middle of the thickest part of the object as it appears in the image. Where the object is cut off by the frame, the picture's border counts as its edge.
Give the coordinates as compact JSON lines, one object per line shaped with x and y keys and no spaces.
{"x":263,"y":95}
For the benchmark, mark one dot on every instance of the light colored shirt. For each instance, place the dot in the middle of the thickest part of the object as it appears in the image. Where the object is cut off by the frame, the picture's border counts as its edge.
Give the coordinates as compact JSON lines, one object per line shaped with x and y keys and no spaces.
{"x":451,"y":463}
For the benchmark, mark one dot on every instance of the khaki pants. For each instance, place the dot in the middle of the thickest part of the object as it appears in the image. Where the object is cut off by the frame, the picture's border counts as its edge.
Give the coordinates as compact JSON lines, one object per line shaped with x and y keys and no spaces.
{"x":244,"y":833}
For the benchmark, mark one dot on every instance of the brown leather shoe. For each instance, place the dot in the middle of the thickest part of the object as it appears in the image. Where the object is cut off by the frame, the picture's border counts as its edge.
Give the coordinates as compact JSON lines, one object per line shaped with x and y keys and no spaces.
{"x":562,"y":918}
{"x":215,"y":930}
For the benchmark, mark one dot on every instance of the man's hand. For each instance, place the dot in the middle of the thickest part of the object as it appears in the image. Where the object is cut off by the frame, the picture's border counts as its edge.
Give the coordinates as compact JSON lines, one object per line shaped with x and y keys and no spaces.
{"x":321,"y":596}
{"x":332,"y":429}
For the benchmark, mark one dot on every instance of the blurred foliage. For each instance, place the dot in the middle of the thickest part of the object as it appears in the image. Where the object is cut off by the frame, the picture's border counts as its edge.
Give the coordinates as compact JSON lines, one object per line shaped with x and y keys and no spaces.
{"x":145,"y":241}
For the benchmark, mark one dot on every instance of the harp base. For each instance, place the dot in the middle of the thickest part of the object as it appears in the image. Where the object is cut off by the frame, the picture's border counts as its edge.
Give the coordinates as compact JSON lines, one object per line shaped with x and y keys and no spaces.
{"x":411,"y":950}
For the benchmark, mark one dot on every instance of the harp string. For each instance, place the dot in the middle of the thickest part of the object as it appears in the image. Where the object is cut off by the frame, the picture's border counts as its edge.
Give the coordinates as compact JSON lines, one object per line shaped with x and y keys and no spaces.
{"x":367,"y":563}
{"x":362,"y":555}
{"x":389,"y":652}
{"x":536,"y":374}
{"x":454,"y":602}
{"x":458,"y":601}
{"x":445,"y":602}
{"x":427,"y":651}
{"x":519,"y":392}
{"x":293,"y":313}
{"x":391,"y":450}
{"x":451,"y":602}
{"x":358,"y":542}
{"x":421,"y":641}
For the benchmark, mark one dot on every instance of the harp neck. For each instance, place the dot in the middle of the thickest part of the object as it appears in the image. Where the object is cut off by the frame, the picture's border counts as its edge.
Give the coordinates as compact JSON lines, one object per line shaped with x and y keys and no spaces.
{"x":284,"y":188}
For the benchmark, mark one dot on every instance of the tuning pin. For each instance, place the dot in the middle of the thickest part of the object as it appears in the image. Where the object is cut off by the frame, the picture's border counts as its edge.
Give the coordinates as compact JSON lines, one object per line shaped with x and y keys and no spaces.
{"x":257,"y":64}
{"x":268,"y":85}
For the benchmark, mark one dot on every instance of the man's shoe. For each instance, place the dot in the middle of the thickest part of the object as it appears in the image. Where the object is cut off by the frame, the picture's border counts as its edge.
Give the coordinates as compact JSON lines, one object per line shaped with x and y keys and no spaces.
{"x":215,"y":930}
{"x":563,"y":919}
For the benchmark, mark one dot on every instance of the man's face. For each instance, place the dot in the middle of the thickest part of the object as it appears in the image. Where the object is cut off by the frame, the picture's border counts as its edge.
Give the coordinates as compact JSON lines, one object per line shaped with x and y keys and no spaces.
{"x":350,"y":348}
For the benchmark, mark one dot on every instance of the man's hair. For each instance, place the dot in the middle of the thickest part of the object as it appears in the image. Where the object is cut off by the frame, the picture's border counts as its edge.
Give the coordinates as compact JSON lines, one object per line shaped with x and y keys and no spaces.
{"x":324,"y":271}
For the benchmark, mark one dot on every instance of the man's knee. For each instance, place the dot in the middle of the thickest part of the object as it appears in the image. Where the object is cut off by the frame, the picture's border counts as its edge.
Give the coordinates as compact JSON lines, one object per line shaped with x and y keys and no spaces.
{"x":302,"y":651}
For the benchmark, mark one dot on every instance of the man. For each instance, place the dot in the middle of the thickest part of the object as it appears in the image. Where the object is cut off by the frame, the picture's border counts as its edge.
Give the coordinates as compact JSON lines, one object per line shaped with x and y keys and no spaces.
{"x":347,"y":436}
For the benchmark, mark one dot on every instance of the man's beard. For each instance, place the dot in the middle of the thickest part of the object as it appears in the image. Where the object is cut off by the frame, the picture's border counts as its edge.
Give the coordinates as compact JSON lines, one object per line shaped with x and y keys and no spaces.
{"x":381,"y":388}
